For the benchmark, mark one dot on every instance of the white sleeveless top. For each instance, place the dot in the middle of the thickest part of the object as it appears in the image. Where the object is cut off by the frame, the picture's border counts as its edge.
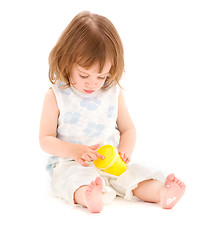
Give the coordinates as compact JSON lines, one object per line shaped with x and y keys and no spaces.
{"x":86,"y":119}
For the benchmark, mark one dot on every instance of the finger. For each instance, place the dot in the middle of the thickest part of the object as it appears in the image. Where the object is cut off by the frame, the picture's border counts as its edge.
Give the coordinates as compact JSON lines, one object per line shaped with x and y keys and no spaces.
{"x":83,"y":163}
{"x":99,"y":155}
{"x":86,"y":157}
{"x":128,"y":160}
{"x":126,"y":157}
{"x":92,"y":156}
{"x":122,"y":155}
{"x":94,"y":147}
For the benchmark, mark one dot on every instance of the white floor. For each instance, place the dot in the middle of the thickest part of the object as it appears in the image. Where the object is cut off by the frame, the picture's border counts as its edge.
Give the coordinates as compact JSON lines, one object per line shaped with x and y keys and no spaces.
{"x":30,"y":211}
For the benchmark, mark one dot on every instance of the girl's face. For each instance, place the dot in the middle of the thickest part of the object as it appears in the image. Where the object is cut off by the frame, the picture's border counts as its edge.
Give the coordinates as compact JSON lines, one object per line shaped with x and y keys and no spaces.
{"x":89,"y":80}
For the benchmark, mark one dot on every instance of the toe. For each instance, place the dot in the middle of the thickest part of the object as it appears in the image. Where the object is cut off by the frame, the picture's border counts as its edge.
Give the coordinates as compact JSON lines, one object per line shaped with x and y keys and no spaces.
{"x":183,"y":186}
{"x":98,"y":181}
{"x":179,"y":182}
{"x":171,"y":177}
{"x":91,"y":186}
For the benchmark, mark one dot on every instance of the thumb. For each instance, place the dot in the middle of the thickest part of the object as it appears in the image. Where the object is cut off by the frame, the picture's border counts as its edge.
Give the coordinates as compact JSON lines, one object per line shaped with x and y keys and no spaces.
{"x":94,"y":147}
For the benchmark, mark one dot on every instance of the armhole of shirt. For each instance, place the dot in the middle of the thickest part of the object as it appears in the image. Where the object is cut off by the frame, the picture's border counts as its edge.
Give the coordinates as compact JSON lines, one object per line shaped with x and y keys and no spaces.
{"x":57,"y":95}
{"x":118,"y":90}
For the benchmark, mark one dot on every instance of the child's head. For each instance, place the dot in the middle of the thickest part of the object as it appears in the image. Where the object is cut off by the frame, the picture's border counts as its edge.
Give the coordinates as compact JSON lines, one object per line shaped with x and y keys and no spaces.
{"x":89,"y":40}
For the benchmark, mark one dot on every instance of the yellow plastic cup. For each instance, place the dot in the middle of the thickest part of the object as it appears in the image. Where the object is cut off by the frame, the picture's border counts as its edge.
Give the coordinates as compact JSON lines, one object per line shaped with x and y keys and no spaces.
{"x":112,"y":164}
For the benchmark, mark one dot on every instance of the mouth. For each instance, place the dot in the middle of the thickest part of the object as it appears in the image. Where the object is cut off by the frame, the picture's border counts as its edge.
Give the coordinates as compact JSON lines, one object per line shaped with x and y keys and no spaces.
{"x":88,"y":91}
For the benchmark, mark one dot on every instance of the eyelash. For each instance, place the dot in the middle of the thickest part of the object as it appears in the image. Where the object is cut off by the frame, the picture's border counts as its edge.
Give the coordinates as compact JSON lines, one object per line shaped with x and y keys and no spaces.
{"x":102,"y":78}
{"x":84,"y":77}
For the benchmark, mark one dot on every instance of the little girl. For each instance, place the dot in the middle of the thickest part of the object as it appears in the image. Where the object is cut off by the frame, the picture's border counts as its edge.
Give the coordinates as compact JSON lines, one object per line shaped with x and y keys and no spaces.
{"x":85,"y":109}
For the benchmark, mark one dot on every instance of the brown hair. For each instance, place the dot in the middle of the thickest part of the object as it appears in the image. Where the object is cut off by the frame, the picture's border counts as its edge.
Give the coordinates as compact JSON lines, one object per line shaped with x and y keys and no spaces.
{"x":88,"y":39}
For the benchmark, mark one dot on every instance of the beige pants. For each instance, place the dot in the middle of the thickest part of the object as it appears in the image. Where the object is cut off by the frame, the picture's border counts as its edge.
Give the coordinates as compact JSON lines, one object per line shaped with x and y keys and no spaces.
{"x":67,"y":177}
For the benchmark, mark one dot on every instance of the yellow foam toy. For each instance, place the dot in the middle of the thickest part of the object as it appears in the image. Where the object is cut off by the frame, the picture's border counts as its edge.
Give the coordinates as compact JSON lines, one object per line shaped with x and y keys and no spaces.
{"x":112,"y":164}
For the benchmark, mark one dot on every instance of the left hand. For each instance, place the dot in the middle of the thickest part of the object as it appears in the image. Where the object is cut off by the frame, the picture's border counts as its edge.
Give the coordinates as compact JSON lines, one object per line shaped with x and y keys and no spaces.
{"x":125,"y":157}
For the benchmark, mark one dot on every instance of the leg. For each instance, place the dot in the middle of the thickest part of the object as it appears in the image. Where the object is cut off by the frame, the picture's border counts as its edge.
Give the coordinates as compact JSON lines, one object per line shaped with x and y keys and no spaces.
{"x":167,"y":194}
{"x":149,"y":190}
{"x":90,"y":196}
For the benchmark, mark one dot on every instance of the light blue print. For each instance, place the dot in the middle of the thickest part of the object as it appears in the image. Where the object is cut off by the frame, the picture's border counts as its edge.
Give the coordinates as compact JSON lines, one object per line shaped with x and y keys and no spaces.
{"x":112,"y":141}
{"x":93,"y":129}
{"x":90,"y":103}
{"x":52,"y":160}
{"x":64,"y":90}
{"x":72,"y":117}
{"x":111,"y":112}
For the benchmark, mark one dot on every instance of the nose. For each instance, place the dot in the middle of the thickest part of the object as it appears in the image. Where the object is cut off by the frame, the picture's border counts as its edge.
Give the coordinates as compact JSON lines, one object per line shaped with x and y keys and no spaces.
{"x":90,"y":83}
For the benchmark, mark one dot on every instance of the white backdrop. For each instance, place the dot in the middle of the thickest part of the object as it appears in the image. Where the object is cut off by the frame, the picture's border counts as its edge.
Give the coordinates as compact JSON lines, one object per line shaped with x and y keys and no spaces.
{"x":166,"y":88}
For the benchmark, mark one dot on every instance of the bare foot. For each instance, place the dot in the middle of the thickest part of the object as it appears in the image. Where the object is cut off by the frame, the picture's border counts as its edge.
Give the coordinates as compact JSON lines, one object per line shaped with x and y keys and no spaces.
{"x":172,"y":192}
{"x":93,"y":196}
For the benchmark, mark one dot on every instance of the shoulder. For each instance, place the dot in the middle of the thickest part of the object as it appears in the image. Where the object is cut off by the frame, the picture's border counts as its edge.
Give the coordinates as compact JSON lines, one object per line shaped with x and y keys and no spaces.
{"x":121,"y":99}
{"x":50,"y":95}
{"x":50,"y":100}
{"x":49,"y":115}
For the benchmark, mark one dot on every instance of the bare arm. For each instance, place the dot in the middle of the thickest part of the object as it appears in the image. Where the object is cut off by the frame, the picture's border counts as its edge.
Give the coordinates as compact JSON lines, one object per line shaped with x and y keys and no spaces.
{"x":127,"y":130}
{"x":54,"y":146}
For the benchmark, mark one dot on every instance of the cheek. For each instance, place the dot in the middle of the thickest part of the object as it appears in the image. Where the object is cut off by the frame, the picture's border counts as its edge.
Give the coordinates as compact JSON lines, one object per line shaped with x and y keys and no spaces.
{"x":102,"y":83}
{"x":74,"y":79}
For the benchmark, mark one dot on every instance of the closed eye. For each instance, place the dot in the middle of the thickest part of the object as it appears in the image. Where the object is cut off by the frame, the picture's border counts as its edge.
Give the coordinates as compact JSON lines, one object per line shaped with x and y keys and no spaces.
{"x":102,"y":78}
{"x":82,"y":76}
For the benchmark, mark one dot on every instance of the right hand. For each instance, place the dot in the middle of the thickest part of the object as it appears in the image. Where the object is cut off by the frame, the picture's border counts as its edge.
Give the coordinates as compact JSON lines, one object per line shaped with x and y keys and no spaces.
{"x":85,"y":153}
